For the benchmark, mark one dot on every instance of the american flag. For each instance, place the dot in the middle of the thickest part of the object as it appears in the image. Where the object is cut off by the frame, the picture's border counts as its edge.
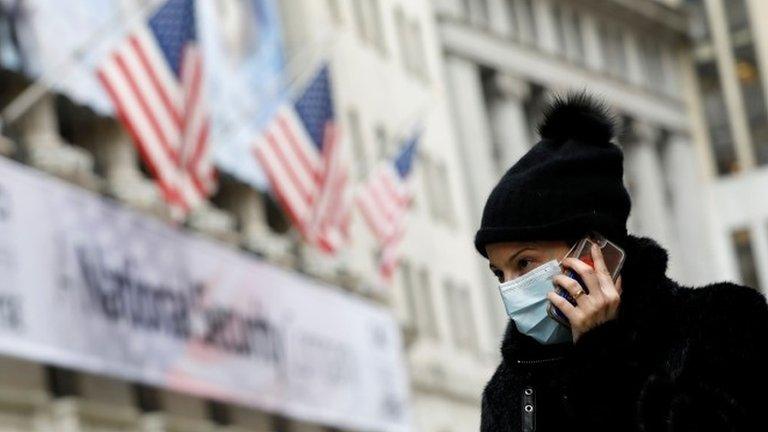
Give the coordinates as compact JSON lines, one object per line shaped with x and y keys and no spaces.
{"x":384,"y":200}
{"x":154,"y":77}
{"x":300,"y":150}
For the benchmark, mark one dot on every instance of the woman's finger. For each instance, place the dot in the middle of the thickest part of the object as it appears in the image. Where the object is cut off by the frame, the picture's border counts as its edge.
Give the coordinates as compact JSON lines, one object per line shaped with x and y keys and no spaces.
{"x":573,"y":287}
{"x":570,"y":311}
{"x":587,"y":273}
{"x":603,"y":275}
{"x":614,"y":300}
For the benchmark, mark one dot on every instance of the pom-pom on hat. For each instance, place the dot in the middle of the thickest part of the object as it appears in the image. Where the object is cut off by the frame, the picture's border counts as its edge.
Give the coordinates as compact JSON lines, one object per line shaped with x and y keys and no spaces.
{"x":569,"y":184}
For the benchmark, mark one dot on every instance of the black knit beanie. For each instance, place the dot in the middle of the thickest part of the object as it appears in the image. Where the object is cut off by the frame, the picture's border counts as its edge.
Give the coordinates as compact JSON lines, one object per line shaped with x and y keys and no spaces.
{"x":569,"y":184}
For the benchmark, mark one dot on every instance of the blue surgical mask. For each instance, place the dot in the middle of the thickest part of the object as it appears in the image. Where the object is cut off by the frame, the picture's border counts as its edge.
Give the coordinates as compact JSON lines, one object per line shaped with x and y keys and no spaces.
{"x":525,"y":299}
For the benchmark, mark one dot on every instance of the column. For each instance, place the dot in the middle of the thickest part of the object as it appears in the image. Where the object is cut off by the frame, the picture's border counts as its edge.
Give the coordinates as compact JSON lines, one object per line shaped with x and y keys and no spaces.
{"x":24,"y":387}
{"x":689,"y":215}
{"x":475,"y":155}
{"x":472,"y":130}
{"x":249,"y":419}
{"x":635,"y":72}
{"x":106,"y":404}
{"x":7,"y":147}
{"x":511,"y":131}
{"x":47,"y":150}
{"x":646,"y":179}
{"x":593,"y":49}
{"x":116,"y":152}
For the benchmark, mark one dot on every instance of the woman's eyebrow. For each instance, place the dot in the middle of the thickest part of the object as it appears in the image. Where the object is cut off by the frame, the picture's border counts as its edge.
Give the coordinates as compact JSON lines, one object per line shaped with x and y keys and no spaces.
{"x":523,"y":249}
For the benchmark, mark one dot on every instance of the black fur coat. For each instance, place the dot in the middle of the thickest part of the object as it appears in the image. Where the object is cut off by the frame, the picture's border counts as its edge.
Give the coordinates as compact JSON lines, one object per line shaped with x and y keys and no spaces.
{"x":676,"y":359}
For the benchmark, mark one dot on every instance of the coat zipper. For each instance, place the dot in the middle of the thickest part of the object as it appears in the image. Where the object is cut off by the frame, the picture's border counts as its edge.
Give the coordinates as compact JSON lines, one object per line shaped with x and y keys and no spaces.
{"x":533,"y":362}
{"x":529,"y":396}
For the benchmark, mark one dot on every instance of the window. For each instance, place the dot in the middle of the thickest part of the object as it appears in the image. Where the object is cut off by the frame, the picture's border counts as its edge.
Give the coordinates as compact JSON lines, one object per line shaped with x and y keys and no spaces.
{"x":569,"y":34}
{"x":11,"y":55}
{"x":698,"y":23}
{"x":358,"y":13}
{"x":430,"y":186}
{"x":447,"y":206}
{"x":419,"y":54}
{"x":370,"y":27}
{"x":670,"y":65}
{"x":437,"y":190}
{"x":576,"y":39}
{"x":461,"y":316}
{"x":718,"y":123}
{"x":420,"y":308}
{"x":653,"y":67}
{"x":402,"y":44}
{"x":738,"y":15}
{"x":742,"y":244}
{"x":748,"y":74}
{"x":557,"y":17}
{"x":358,"y":145}
{"x":411,"y":44}
{"x":382,"y":143}
{"x":406,"y":280}
{"x":614,"y":52}
{"x":754,"y":100}
{"x":377,"y":26}
{"x":335,"y":10}
{"x":427,"y":321}
{"x":476,"y":12}
{"x":524,"y":20}
{"x":534,"y":109}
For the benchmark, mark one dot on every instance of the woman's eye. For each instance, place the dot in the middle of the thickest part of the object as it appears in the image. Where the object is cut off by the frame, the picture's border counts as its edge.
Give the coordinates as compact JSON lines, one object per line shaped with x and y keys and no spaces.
{"x":524,"y":263}
{"x":499,"y":275}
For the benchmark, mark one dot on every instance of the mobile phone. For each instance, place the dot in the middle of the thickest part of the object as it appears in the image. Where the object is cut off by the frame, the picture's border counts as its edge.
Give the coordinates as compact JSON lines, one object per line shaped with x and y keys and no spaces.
{"x":614,"y":260}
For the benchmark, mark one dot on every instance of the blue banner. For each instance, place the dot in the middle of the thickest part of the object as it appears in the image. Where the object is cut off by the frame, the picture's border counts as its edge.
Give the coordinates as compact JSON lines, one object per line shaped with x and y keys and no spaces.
{"x":243,"y":48}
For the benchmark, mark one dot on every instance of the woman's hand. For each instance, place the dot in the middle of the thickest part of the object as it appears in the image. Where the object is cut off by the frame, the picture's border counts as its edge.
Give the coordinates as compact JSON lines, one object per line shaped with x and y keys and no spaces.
{"x":595,"y":305}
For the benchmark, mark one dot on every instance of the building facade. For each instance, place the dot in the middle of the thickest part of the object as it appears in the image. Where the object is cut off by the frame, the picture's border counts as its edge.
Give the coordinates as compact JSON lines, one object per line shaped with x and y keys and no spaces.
{"x":473,"y":75}
{"x":731,"y":56}
{"x":388,"y":79}
{"x":505,"y":59}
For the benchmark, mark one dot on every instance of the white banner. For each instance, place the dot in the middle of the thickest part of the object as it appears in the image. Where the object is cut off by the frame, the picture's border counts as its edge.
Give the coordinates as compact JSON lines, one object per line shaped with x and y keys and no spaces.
{"x":87,"y":284}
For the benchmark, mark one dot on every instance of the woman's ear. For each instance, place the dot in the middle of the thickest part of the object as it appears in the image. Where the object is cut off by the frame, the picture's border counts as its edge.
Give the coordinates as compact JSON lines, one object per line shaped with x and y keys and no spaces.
{"x":618,"y":284}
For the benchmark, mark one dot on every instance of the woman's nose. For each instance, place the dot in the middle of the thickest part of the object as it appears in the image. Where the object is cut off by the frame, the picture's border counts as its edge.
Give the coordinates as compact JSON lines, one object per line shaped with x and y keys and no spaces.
{"x":508,"y":276}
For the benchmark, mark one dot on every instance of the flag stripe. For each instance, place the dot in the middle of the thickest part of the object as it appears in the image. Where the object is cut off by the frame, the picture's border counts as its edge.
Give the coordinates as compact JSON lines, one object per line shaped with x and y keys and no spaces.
{"x":374,"y":219}
{"x":140,"y":48}
{"x":164,"y":112}
{"x":300,"y":153}
{"x":195,"y":120}
{"x":394,"y":188}
{"x":112,"y":84}
{"x":384,"y":200}
{"x":299,"y":142}
{"x":290,"y":198}
{"x":295,"y":174}
{"x":135,"y":90}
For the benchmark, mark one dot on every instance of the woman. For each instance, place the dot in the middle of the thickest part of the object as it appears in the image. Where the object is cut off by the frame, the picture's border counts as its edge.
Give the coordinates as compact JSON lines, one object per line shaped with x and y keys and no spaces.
{"x":642,"y":352}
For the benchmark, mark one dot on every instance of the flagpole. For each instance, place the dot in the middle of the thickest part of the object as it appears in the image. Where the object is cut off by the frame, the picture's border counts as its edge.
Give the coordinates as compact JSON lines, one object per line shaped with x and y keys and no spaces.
{"x":38,"y":89}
